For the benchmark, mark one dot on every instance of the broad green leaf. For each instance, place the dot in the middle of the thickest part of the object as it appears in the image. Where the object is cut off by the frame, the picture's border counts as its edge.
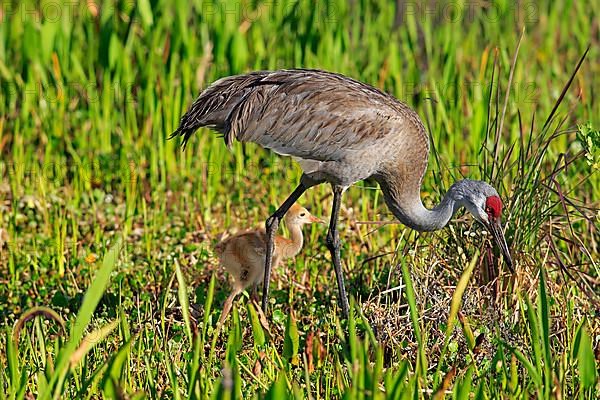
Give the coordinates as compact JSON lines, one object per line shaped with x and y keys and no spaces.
{"x":257,"y":330}
{"x":586,"y":361}
{"x":291,"y":339}
{"x":278,"y":390}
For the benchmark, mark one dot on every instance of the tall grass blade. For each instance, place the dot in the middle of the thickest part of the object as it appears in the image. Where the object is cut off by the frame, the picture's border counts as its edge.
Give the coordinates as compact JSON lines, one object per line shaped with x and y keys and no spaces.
{"x":565,"y":89}
{"x":16,"y":375}
{"x":90,"y":340}
{"x":461,"y":286}
{"x":208,"y":306}
{"x":537,"y":378}
{"x":183,"y":301}
{"x":414,"y":316}
{"x":84,"y":316}
{"x":500,"y":124}
{"x":534,"y":336}
{"x":544,"y":318}
{"x":115,"y":368}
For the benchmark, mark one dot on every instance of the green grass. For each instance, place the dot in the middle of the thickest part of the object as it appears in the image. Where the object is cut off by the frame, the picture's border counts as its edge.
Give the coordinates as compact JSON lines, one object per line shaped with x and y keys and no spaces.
{"x":88,"y":96}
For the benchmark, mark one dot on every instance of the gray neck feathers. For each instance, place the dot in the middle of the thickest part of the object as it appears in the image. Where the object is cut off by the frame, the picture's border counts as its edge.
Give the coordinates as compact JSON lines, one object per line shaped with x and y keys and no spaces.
{"x":407,"y":206}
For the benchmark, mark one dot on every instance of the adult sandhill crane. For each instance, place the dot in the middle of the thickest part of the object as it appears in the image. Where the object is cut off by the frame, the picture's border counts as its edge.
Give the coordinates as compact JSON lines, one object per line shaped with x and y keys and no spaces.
{"x":243,"y":255}
{"x":340,"y":131}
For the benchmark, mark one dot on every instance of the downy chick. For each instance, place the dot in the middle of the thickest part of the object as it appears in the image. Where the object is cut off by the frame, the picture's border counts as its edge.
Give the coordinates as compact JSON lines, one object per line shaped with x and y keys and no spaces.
{"x":243,"y":255}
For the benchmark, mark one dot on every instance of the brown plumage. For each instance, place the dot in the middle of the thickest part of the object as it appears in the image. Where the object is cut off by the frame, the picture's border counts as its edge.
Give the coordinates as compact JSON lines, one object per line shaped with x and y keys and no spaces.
{"x":243,"y":255}
{"x":324,"y":120}
{"x":340,"y":131}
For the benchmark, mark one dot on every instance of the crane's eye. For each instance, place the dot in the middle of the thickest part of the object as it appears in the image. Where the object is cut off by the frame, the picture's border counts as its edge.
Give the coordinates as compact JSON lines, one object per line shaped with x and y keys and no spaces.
{"x":303,"y":214}
{"x":490,"y":213}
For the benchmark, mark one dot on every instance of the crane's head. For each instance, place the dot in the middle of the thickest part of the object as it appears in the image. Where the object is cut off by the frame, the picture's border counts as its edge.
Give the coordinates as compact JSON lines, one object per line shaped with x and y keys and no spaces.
{"x":483,"y":201}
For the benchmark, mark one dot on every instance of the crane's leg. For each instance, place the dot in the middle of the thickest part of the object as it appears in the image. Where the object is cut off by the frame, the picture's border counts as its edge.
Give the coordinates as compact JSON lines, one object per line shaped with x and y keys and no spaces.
{"x":333,"y":244}
{"x":271,"y":227}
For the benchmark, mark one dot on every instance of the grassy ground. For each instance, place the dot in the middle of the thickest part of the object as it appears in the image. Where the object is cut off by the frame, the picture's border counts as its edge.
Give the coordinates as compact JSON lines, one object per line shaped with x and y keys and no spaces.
{"x":89,"y":94}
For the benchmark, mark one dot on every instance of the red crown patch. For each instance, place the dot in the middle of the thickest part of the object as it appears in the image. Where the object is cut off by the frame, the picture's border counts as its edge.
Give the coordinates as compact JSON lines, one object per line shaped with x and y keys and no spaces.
{"x":493,"y":206}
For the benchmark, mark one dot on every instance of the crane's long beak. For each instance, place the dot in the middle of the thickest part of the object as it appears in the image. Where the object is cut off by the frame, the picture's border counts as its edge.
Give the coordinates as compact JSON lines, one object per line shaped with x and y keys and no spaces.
{"x":496,"y":228}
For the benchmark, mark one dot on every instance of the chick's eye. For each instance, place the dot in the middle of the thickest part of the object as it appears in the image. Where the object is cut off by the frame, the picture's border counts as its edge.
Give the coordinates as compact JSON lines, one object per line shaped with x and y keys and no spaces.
{"x":303,"y":214}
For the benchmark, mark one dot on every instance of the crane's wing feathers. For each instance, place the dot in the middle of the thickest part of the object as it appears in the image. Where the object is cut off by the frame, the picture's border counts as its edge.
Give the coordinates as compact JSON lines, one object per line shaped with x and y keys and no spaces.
{"x":215,"y":103}
{"x":309,"y":114}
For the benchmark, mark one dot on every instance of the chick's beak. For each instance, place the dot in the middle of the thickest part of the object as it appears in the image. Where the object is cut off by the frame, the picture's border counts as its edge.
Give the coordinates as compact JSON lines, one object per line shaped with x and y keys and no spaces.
{"x":496,"y":228}
{"x":312,"y":218}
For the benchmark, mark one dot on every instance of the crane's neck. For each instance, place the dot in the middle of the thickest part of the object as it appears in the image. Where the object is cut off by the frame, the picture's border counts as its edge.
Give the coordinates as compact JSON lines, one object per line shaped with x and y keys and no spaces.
{"x":404,"y":201}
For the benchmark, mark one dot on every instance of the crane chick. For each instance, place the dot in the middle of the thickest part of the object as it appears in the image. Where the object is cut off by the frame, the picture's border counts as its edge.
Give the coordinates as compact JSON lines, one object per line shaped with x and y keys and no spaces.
{"x":243,"y":255}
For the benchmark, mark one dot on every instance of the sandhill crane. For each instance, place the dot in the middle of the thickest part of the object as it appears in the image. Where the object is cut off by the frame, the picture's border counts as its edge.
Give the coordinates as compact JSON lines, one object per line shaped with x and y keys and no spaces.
{"x":243,"y":255}
{"x":340,"y":131}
